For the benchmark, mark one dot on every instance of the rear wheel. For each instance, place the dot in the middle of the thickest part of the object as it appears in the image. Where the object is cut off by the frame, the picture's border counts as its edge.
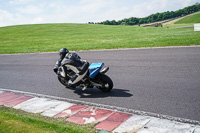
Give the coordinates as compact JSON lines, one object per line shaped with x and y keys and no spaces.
{"x":107,"y":83}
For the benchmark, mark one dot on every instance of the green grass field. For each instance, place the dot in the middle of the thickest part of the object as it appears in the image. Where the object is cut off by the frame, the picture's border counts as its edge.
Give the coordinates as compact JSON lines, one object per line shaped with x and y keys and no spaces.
{"x":190,"y":19}
{"x":52,"y":37}
{"x":185,"y":21}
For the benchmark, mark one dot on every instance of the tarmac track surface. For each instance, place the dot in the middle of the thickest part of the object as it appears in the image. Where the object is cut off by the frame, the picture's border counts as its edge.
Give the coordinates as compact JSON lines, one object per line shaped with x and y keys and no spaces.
{"x":159,"y":80}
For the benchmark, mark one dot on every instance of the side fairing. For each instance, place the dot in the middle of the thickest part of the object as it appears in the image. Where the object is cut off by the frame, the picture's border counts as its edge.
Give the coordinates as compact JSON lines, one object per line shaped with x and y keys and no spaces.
{"x":94,"y":69}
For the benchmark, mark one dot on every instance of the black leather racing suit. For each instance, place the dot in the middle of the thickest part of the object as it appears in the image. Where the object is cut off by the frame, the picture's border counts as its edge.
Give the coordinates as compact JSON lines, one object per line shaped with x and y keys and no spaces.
{"x":76,"y":64}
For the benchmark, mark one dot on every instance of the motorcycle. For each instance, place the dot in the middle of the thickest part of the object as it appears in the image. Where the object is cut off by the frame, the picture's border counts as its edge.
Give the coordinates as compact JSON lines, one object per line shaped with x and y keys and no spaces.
{"x":95,"y":77}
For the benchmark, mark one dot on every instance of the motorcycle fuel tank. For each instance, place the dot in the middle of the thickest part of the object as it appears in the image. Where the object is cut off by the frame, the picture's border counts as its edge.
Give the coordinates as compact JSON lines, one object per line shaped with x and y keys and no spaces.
{"x":94,"y":69}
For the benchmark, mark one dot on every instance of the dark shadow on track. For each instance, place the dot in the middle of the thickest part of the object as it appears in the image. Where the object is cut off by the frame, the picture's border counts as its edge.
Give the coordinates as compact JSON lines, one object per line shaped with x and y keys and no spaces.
{"x":96,"y":93}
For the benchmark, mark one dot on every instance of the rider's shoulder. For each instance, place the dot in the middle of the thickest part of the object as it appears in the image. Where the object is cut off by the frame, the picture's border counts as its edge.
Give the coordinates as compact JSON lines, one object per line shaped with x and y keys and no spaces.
{"x":72,"y":55}
{"x":68,"y":55}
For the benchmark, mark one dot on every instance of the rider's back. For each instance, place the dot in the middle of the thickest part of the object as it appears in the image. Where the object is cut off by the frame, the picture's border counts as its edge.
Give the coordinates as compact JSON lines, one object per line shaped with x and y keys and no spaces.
{"x":73,"y":59}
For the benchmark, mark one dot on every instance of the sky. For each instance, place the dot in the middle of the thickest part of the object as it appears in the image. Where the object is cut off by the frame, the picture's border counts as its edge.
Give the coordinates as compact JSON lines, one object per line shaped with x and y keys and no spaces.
{"x":18,"y":12}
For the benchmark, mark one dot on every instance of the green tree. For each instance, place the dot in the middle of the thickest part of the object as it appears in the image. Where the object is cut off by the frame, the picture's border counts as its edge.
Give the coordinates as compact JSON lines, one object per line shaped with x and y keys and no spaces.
{"x":154,"y":17}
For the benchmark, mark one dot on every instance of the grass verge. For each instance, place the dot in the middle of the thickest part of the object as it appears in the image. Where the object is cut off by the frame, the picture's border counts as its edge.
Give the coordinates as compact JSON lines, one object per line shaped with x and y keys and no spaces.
{"x":17,"y":121}
{"x":52,"y":37}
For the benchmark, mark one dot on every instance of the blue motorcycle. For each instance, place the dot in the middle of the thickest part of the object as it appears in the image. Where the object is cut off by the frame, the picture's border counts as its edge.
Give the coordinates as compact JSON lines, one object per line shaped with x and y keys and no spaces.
{"x":95,"y":77}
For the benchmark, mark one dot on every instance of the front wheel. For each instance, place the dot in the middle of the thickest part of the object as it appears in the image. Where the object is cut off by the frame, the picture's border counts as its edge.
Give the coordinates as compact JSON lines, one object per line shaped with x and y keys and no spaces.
{"x":65,"y":83}
{"x":62,"y":81}
{"x":107,"y":83}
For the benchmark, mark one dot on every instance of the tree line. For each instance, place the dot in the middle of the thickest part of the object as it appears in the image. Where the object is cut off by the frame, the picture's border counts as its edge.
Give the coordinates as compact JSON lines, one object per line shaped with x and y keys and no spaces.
{"x":154,"y":17}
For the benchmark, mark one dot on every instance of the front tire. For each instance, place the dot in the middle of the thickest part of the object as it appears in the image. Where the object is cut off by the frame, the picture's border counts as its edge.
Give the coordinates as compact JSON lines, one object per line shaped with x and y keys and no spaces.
{"x":65,"y":83}
{"x":62,"y":81}
{"x":106,"y":81}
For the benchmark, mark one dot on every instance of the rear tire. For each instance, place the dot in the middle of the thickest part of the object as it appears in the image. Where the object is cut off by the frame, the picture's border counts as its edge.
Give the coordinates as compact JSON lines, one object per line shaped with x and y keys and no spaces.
{"x":107,"y":82}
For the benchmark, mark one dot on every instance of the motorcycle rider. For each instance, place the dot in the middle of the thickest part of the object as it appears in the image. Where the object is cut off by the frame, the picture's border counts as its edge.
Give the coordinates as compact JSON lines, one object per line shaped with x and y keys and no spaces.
{"x":73,"y":62}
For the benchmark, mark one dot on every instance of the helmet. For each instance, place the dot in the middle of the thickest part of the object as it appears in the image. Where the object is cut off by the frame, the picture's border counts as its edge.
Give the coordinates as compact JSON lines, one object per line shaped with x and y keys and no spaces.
{"x":62,"y":52}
